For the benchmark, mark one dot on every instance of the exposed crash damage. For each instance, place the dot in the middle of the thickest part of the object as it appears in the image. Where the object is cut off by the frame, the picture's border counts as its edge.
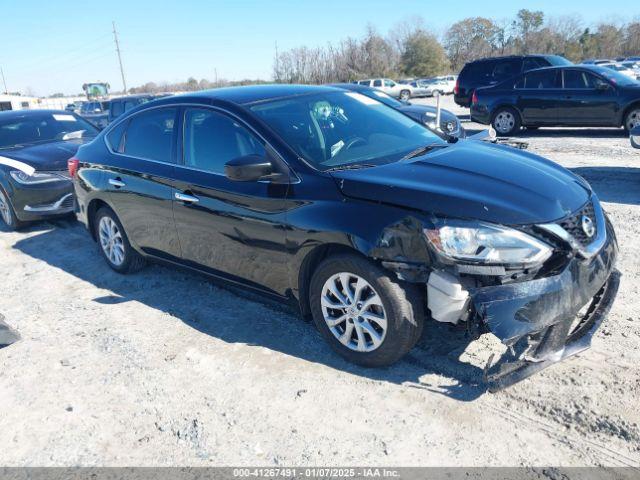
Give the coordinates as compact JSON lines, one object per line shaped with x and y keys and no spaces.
{"x":543,"y":313}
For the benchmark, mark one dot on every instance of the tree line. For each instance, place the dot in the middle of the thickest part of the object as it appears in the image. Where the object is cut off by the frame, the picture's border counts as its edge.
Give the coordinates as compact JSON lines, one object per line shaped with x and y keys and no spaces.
{"x":410,"y":49}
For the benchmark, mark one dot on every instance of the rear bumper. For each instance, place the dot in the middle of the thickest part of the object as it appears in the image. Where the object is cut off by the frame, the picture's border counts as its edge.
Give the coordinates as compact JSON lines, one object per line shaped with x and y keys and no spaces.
{"x":538,"y":320}
{"x":480,"y":114}
{"x":463,"y":101}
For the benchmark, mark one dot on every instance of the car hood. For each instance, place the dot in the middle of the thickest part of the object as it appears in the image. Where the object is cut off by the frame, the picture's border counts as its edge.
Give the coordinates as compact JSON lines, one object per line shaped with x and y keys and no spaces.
{"x":472,"y":179}
{"x":46,"y":156}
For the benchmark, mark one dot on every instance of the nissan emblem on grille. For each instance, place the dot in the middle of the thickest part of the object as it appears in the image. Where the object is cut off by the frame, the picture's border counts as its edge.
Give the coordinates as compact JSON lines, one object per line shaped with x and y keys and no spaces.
{"x":588,"y":227}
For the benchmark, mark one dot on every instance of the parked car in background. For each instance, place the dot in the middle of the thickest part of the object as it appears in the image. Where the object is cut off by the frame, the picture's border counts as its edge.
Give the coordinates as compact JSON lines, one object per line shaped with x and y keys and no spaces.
{"x":428,"y":88}
{"x":120,"y":105}
{"x":633,"y":65}
{"x":396,"y":90}
{"x":575,"y":96}
{"x":449,"y":81}
{"x":491,"y":71}
{"x":598,"y":61}
{"x":360,"y":216}
{"x":618,"y":67}
{"x":635,"y":136}
{"x":425,"y":114}
{"x":96,"y":112}
{"x":34,"y":148}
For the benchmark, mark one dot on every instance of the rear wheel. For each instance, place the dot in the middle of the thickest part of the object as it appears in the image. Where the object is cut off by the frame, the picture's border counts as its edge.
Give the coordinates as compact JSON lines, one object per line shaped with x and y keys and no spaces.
{"x":7,"y":214}
{"x":506,"y":121}
{"x":632,"y":119}
{"x":114,"y":243}
{"x":367,"y":316}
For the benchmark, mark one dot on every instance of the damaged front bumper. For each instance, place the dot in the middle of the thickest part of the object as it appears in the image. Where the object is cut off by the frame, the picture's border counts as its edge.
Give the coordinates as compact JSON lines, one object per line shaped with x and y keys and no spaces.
{"x":539,"y":319}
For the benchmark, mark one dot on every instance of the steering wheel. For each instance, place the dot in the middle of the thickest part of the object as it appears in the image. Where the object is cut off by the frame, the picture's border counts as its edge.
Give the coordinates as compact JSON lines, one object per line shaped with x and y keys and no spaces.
{"x":352,"y":142}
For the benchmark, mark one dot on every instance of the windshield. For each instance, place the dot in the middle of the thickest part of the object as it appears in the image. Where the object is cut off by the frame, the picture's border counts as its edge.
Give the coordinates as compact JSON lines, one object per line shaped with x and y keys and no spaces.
{"x":337,"y":129}
{"x":616,"y":77}
{"x":43,"y":127}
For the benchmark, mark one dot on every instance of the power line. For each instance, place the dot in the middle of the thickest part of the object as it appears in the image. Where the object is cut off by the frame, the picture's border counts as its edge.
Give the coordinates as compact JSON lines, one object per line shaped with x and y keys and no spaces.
{"x":4,"y":81}
{"x":115,"y":37}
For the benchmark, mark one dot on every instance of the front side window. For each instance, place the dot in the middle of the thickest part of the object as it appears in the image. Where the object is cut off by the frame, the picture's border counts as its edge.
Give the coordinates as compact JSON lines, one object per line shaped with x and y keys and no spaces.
{"x":532,"y":63}
{"x":580,"y":79}
{"x":212,"y":139}
{"x":334,"y":129}
{"x":389,"y":83}
{"x":150,"y":135}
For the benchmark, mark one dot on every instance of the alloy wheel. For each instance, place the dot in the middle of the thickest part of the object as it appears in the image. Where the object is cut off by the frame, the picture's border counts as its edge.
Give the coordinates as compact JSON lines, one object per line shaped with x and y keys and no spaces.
{"x":633,"y":119}
{"x":111,"y":241}
{"x":5,"y":209}
{"x":404,"y":96}
{"x":353,"y":311}
{"x":504,"y":122}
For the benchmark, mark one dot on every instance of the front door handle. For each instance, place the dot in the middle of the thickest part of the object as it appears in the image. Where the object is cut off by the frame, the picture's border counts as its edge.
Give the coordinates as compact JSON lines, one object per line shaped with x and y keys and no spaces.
{"x":183,"y":197}
{"x":117,"y":183}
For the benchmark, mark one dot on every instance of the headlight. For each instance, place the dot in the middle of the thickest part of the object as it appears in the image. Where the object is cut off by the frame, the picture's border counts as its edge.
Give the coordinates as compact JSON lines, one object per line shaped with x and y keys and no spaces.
{"x":487,"y":244}
{"x":37,"y":178}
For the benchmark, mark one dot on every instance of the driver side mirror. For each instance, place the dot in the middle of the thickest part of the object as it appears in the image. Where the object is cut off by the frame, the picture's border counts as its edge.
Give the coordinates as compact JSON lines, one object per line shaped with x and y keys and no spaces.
{"x":634,"y":135}
{"x":249,"y":168}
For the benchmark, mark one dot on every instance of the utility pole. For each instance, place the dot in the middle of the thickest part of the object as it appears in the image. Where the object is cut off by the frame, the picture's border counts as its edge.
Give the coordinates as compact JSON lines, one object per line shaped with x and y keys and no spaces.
{"x":4,"y":81}
{"x":115,"y":37}
{"x":215,"y":70}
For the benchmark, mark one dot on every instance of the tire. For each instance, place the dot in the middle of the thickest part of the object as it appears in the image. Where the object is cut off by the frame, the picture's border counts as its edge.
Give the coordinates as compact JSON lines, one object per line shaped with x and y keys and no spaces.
{"x":114,"y":243}
{"x":632,"y":118}
{"x":401,"y":304}
{"x":405,"y":95}
{"x":8,"y":214}
{"x":506,"y":121}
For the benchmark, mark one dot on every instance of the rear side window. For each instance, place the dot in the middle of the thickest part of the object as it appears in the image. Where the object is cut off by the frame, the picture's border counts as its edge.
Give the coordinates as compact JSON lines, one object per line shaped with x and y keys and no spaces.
{"x":533,"y":63}
{"x":211,"y":139}
{"x":478,"y":70}
{"x":505,"y":69}
{"x":539,"y":80}
{"x":150,"y":135}
{"x":364,"y":82}
{"x":377,"y":83}
{"x":116,"y":135}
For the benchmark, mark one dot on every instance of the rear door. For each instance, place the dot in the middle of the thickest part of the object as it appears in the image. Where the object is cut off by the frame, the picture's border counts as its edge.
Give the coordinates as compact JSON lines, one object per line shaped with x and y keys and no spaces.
{"x":537,"y":93}
{"x":139,"y":179}
{"x":233,"y":229}
{"x":582,"y":103}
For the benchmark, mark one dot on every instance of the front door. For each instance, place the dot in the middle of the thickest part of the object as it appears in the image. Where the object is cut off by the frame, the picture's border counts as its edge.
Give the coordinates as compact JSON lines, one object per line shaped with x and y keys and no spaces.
{"x":584,"y":102}
{"x":232,"y":229}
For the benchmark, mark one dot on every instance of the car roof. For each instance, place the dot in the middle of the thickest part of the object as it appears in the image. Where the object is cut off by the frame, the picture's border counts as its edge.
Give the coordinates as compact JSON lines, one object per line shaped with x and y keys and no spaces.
{"x":25,"y":113}
{"x":507,"y":57}
{"x":253,"y":93}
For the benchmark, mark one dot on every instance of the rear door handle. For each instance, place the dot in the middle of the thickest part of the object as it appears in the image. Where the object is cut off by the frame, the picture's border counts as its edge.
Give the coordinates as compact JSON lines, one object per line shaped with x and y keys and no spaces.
{"x":183,"y":197}
{"x":117,"y":183}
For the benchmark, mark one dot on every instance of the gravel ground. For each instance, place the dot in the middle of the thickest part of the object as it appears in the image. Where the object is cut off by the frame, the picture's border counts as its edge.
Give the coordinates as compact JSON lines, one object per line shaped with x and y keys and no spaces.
{"x":165,"y":368}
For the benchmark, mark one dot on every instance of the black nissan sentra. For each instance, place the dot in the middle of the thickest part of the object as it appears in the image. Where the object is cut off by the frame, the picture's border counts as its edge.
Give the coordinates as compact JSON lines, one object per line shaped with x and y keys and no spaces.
{"x":34,"y":148}
{"x":363,"y":218}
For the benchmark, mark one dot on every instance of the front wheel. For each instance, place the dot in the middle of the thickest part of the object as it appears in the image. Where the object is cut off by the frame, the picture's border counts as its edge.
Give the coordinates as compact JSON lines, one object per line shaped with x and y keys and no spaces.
{"x":632,"y":119}
{"x":367,"y":316}
{"x":7,"y":214}
{"x":405,"y":95}
{"x":114,"y":243}
{"x":506,"y":121}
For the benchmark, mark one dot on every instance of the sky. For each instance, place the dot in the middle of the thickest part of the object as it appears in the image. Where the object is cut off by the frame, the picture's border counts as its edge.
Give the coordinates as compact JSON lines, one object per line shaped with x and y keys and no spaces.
{"x":49,"y":46}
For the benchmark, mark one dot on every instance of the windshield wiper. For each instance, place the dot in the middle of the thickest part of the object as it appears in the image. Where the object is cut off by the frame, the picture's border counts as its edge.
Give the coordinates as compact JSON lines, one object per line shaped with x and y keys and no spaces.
{"x":424,"y":149}
{"x":350,"y":166}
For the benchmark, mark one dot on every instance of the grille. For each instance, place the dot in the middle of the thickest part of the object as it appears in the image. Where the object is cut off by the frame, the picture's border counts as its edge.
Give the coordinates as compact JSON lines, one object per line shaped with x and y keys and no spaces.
{"x":573,"y":225}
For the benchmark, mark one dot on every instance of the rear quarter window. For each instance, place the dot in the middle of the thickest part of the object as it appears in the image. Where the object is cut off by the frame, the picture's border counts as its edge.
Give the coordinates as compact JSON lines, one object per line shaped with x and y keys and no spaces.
{"x":115,"y":137}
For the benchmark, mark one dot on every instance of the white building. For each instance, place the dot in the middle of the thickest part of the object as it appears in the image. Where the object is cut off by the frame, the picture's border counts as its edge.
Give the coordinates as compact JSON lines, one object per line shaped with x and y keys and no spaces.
{"x":19,"y":102}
